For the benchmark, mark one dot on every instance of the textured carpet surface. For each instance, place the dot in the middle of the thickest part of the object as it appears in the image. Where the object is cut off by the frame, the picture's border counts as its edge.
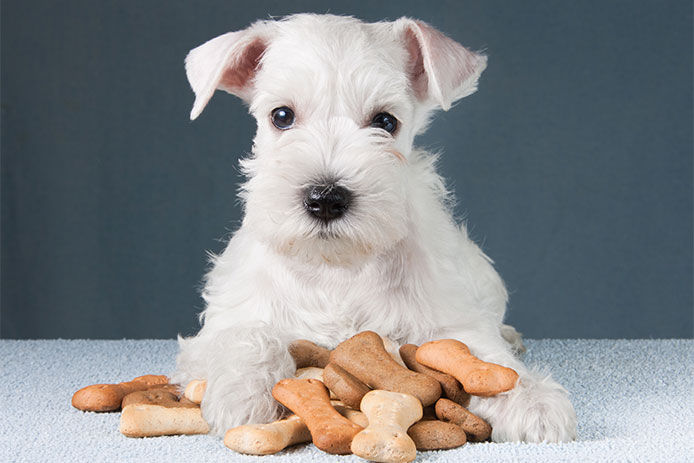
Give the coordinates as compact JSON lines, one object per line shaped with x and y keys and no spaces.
{"x":634,"y":401}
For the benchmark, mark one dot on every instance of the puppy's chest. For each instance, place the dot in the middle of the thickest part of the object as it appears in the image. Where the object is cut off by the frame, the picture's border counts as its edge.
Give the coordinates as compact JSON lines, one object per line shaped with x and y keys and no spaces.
{"x":333,"y":294}
{"x":341,"y":294}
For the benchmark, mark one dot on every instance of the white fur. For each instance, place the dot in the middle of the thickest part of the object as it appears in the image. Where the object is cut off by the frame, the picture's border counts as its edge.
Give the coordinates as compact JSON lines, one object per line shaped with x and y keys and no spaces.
{"x":396,"y":263}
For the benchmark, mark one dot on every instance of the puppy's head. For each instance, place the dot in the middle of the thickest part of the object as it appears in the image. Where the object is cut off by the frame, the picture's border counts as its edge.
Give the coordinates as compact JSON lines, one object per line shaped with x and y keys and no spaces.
{"x":338,"y":104}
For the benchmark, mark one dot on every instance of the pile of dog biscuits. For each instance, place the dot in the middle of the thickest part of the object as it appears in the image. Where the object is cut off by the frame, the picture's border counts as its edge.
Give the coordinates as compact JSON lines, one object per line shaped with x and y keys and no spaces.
{"x":150,"y":406}
{"x":357,"y":398}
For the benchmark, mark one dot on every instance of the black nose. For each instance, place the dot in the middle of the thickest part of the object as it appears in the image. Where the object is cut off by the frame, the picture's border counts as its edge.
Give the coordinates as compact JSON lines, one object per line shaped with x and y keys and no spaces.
{"x":327,"y":202}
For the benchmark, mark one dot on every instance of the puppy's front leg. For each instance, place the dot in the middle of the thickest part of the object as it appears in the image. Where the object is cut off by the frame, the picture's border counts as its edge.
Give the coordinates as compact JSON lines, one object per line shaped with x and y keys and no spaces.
{"x":241,"y":365}
{"x":538,"y":409}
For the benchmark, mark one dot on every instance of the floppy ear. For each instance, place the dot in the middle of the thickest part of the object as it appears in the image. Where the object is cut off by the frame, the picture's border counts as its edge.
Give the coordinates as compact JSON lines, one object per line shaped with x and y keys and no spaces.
{"x":228,"y":62}
{"x":441,"y":70}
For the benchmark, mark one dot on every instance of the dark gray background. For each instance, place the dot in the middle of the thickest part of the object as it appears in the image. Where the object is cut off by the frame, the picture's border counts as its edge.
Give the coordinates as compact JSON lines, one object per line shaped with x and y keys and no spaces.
{"x":572,"y":164}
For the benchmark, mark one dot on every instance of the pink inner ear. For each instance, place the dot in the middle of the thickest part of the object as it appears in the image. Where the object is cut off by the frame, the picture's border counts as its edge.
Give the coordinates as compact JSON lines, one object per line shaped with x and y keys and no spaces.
{"x":239,"y":74}
{"x":418,"y":76}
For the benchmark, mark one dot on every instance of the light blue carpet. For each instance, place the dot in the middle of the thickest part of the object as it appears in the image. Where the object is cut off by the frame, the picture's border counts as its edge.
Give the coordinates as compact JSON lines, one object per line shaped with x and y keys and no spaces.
{"x":634,"y":401}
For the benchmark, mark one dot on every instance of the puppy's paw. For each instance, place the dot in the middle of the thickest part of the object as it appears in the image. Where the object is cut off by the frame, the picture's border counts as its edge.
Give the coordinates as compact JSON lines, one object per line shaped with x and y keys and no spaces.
{"x":537,"y":410}
{"x":227,"y":405}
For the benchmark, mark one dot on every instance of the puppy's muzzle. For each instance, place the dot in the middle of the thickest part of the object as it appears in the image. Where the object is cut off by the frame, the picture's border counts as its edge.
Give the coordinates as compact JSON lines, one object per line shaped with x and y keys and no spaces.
{"x":327,"y":202}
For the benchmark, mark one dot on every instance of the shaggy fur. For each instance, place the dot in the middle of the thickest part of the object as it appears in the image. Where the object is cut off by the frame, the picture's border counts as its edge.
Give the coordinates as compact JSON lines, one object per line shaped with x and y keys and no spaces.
{"x":395,"y":263}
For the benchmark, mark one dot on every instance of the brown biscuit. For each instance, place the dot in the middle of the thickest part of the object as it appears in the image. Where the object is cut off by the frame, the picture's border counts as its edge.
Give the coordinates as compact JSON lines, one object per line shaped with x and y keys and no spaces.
{"x":452,"y":389}
{"x":345,"y":386}
{"x":160,"y":412}
{"x":308,"y":354}
{"x":477,"y":376}
{"x":309,"y":399}
{"x":108,"y":397}
{"x":436,"y":435}
{"x":166,"y":395}
{"x":475,"y":427}
{"x":365,"y":357}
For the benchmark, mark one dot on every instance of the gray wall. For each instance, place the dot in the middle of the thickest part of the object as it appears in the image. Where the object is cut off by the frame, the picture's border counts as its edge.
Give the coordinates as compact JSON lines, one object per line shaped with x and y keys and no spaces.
{"x":572,"y":164}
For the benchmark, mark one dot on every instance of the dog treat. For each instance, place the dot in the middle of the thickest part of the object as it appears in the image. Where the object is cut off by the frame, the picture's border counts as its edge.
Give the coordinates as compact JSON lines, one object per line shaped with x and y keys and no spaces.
{"x":146,"y":396}
{"x":160,"y":412}
{"x":436,"y":435}
{"x":355,"y":416}
{"x":477,"y":377}
{"x":195,"y":390}
{"x":364,"y":356}
{"x":313,"y":373}
{"x":308,"y":354}
{"x":309,"y":373}
{"x":266,"y":439}
{"x":475,"y":427}
{"x":345,"y":386}
{"x":392,"y":348}
{"x":309,"y":399}
{"x":390,"y":414}
{"x":452,"y":389}
{"x":108,"y":397}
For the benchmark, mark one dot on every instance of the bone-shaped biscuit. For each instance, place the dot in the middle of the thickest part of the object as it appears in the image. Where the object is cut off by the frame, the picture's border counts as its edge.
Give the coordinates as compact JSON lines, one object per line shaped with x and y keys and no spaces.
{"x":475,"y":427}
{"x":477,"y":377}
{"x":266,"y":439}
{"x":195,"y":390}
{"x":436,"y":435}
{"x":108,"y":397}
{"x":390,"y":415}
{"x":345,"y":386}
{"x":308,"y":354}
{"x":364,"y":356}
{"x":309,"y":399}
{"x":452,"y":389}
{"x":160,"y":412}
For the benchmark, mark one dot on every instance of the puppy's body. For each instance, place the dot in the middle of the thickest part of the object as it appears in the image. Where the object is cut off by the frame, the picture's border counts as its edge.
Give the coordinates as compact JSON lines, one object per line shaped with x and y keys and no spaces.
{"x":395,"y":262}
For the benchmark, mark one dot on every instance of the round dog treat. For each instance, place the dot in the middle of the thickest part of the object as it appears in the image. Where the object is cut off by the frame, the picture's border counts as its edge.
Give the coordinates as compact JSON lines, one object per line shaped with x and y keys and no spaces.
{"x":436,"y":435}
{"x":475,"y":427}
{"x":108,"y":397}
{"x":195,"y":390}
{"x":364,"y":356}
{"x":345,"y":386}
{"x":309,"y":399}
{"x":159,"y":412}
{"x":308,"y":354}
{"x":390,"y":414}
{"x":477,"y":377}
{"x":452,"y":389}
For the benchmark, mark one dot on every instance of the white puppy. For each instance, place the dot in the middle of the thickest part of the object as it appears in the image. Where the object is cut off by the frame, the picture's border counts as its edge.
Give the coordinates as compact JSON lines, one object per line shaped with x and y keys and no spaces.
{"x":347,"y":226}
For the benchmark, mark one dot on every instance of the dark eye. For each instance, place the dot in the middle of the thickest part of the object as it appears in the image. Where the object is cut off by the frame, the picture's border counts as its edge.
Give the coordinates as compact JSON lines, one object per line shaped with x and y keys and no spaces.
{"x":385,"y":121}
{"x":283,"y":117}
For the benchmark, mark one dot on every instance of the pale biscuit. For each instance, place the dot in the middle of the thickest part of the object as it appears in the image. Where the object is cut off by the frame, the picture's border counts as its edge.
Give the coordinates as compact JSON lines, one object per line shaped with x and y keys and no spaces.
{"x":160,"y":412}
